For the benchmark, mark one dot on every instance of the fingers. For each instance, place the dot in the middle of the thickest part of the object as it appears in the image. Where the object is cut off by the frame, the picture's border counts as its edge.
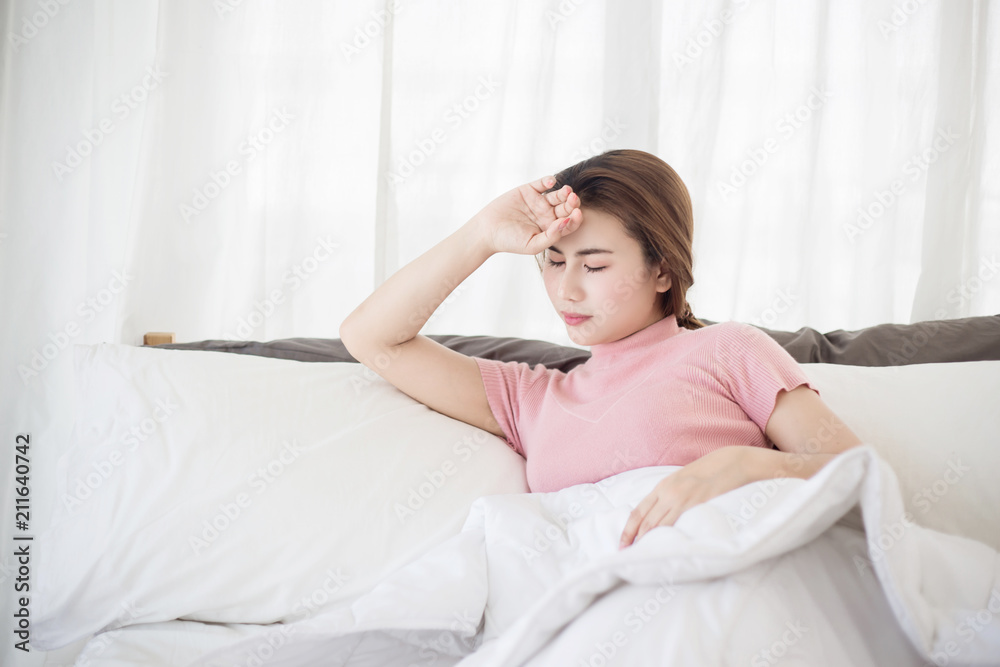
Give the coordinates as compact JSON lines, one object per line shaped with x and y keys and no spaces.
{"x":564,"y":197}
{"x":543,"y":183}
{"x":562,"y":226}
{"x":555,"y":197}
{"x":567,"y":208}
{"x":654,"y":517}
{"x":635,"y":520}
{"x":561,"y":203}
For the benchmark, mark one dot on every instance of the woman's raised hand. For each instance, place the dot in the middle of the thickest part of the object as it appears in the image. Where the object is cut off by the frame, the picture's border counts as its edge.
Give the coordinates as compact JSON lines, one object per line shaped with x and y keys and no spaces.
{"x":527,"y":220}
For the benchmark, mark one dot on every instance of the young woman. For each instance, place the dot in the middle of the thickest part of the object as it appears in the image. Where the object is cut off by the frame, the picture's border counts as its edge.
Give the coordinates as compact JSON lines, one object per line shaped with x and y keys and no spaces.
{"x":613,"y":237}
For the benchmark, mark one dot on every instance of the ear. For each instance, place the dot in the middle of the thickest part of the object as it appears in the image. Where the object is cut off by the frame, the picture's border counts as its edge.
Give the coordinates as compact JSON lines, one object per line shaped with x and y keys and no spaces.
{"x":663,"y":279}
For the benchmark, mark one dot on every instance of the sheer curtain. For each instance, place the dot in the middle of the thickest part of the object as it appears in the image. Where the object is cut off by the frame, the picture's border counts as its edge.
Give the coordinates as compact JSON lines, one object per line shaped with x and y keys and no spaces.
{"x":253,"y":169}
{"x":264,"y":165}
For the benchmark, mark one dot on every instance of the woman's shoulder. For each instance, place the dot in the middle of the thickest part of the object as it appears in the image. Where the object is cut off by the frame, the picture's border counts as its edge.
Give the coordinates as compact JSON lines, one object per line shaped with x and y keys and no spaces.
{"x":727,"y":326}
{"x":727,"y":330}
{"x":732,"y":337}
{"x":731,"y":329}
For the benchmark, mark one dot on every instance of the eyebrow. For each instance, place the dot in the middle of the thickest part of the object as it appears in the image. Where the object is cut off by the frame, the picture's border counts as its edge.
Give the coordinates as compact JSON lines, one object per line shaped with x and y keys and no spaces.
{"x":585,"y":251}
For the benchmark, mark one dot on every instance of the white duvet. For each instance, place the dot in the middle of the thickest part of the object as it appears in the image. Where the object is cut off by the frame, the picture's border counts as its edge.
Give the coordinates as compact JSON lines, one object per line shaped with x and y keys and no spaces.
{"x":775,"y":572}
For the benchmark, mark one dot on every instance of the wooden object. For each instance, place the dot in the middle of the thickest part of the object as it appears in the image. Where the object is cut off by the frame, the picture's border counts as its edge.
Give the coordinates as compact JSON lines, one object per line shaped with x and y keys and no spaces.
{"x":158,"y":338}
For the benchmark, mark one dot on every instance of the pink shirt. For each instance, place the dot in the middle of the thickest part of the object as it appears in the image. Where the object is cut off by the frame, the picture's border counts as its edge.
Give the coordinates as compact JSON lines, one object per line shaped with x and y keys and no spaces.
{"x":664,"y":395}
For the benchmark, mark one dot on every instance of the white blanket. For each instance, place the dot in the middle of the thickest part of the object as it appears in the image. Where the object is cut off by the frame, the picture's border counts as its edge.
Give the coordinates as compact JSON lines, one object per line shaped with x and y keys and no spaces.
{"x":773,"y":571}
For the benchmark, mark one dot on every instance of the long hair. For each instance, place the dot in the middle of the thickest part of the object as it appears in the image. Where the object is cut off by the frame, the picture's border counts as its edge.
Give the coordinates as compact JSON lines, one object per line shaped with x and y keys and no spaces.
{"x":652,"y":203}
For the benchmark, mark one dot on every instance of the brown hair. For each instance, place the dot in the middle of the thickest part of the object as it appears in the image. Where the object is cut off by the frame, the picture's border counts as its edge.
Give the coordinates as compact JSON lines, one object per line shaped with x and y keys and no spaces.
{"x":654,"y":207}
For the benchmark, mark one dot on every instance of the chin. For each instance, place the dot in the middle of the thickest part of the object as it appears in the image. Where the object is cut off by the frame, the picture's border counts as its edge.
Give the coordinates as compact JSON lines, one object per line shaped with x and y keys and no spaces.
{"x":581,"y":337}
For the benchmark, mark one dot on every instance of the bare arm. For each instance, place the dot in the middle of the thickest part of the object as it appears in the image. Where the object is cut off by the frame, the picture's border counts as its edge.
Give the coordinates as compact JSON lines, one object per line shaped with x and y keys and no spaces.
{"x":807,"y":434}
{"x":397,"y":311}
{"x":383,"y":332}
{"x":521,"y":221}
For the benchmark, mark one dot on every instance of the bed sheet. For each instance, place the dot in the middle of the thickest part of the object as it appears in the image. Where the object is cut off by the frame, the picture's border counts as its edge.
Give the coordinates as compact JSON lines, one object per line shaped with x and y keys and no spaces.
{"x":797,"y":577}
{"x":811,"y":601}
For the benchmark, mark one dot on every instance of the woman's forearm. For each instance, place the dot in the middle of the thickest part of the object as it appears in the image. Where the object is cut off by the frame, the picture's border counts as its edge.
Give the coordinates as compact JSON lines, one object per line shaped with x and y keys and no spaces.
{"x":398,"y":309}
{"x":774,"y":463}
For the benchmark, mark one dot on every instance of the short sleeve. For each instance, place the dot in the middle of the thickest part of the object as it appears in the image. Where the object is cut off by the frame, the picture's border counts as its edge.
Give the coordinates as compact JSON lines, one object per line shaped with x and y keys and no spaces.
{"x":754,"y":367}
{"x":507,"y":383}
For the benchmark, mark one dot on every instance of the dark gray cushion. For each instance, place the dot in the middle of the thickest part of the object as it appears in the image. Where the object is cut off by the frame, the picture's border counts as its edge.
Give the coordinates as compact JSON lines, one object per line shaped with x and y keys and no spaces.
{"x":934,"y":341}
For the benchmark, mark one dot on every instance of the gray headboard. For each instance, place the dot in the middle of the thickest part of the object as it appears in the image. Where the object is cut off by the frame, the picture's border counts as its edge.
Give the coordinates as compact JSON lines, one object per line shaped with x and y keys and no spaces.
{"x":933,"y":341}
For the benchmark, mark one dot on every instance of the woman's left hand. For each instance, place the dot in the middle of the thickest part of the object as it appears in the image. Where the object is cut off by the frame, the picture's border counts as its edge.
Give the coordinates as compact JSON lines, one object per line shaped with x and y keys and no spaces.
{"x":717,"y":472}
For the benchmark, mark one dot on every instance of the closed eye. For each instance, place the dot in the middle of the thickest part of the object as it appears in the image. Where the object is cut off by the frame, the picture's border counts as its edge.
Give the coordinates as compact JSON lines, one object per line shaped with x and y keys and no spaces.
{"x":589,"y":268}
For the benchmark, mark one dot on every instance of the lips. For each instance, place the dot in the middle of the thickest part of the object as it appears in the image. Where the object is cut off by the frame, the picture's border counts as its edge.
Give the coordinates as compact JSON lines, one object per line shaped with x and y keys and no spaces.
{"x":574,"y":318}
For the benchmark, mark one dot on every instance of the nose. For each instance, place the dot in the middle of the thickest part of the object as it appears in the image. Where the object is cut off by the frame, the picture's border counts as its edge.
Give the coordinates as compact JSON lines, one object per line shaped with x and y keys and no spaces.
{"x":569,"y":288}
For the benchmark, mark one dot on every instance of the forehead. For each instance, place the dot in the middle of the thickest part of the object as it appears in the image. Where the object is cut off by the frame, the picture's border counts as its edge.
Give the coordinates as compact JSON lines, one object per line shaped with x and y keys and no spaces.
{"x":598,"y":230}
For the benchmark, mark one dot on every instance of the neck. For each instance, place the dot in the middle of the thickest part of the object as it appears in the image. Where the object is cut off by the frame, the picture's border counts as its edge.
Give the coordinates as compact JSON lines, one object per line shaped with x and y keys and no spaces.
{"x":643,"y":340}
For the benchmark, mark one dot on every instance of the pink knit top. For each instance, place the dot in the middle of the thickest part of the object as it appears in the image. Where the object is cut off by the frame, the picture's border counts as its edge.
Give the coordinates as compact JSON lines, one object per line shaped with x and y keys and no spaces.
{"x":664,"y":395}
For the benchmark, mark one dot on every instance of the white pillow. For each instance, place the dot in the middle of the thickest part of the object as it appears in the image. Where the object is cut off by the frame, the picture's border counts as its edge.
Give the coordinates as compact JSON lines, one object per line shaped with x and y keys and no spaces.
{"x":938,"y":426}
{"x":222,"y":487}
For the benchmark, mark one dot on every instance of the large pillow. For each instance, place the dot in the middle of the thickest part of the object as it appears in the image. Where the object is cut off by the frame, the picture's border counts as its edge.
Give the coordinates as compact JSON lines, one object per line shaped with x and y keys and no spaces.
{"x":938,"y":426}
{"x":228,"y":488}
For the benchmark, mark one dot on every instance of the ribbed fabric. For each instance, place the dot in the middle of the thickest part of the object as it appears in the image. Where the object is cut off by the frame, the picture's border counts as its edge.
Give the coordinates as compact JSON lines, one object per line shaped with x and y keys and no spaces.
{"x":661,"y":396}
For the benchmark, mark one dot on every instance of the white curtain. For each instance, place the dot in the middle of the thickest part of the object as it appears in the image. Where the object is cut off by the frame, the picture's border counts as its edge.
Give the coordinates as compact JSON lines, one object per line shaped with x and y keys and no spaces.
{"x":253,"y":169}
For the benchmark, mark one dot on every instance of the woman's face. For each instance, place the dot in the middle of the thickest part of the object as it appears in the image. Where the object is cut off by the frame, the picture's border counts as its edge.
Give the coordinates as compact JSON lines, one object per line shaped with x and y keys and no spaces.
{"x":613,"y":287}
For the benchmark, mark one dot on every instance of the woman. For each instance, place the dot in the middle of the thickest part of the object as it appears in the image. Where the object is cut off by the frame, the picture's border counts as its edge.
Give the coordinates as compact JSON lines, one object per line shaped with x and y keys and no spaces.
{"x":613,"y":236}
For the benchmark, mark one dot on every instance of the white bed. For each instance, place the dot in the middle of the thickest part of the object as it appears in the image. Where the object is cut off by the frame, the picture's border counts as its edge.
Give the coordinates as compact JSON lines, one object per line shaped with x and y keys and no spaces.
{"x":268,"y":511}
